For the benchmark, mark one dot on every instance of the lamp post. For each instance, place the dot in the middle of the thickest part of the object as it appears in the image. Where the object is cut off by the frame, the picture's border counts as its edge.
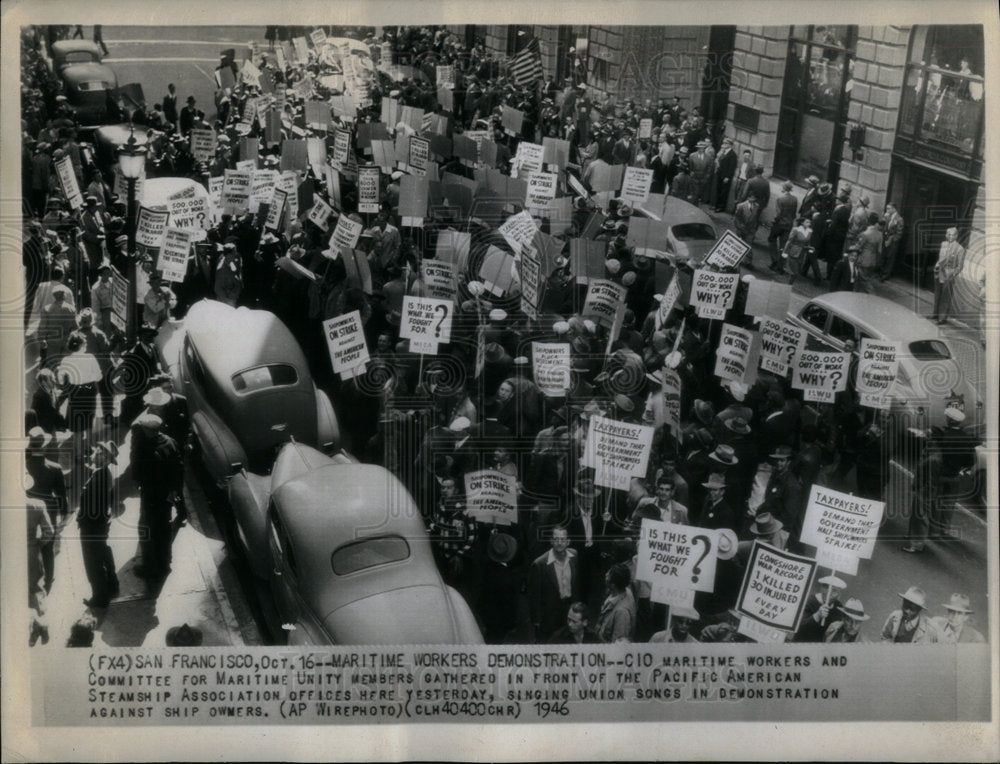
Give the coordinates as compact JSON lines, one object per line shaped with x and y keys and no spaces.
{"x":131,"y":162}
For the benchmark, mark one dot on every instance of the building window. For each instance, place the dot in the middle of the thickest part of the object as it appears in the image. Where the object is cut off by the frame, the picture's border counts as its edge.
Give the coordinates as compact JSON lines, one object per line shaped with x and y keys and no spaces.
{"x":942,"y":103}
{"x":818,"y":79}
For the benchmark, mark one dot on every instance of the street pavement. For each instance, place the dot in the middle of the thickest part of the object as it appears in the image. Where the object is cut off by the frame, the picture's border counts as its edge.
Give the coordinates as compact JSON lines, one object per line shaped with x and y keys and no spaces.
{"x":207,"y":587}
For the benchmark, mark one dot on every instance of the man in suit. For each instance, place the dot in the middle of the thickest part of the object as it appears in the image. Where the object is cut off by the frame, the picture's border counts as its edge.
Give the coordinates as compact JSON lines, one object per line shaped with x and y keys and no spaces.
{"x":951,"y":260}
{"x":786,"y":206}
{"x":623,"y":151}
{"x":759,"y":186}
{"x":95,"y":224}
{"x":553,"y":584}
{"x":701,"y":167}
{"x":189,"y":115}
{"x":893,"y":234}
{"x":743,"y":174}
{"x":170,"y":105}
{"x":725,"y":169}
{"x":715,"y":511}
{"x":835,"y":233}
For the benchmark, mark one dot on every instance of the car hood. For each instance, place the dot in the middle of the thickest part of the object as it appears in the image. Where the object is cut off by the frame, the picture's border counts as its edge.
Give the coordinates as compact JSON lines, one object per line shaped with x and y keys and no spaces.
{"x":415,"y":615}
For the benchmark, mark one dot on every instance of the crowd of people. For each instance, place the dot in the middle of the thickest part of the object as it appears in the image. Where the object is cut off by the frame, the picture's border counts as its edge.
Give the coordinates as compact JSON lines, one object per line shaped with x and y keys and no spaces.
{"x":742,"y":461}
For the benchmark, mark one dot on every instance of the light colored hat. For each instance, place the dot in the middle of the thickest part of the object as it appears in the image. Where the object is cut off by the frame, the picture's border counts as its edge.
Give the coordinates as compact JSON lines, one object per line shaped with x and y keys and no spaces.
{"x":110,"y":448}
{"x":953,"y":414}
{"x":498,"y":314}
{"x":150,"y":421}
{"x":715,"y":480}
{"x":724,"y":454}
{"x":959,"y":603}
{"x":156,"y":397}
{"x":560,"y":327}
{"x":613,"y":266}
{"x":915,"y":595}
{"x":684,"y":612}
{"x":854,"y":609}
{"x":833,"y":581}
{"x":727,"y":544}
{"x":460,"y":424}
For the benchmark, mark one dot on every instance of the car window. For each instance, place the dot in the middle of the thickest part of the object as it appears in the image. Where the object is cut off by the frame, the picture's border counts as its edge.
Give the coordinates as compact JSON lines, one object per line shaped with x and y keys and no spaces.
{"x":929,"y":350}
{"x":815,"y":315}
{"x":369,"y":553}
{"x":693,"y":232}
{"x":842,"y":329}
{"x":94,"y":85}
{"x":79,"y":57}
{"x":263,"y":377}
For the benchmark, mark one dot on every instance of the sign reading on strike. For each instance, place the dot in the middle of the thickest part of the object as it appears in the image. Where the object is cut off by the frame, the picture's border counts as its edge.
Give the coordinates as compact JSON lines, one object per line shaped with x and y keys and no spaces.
{"x":780,"y":341}
{"x":492,"y":496}
{"x":368,"y":189}
{"x":603,"y":299}
{"x":173,"y":255}
{"x":151,"y":228}
{"x":728,"y":251}
{"x":775,"y":587}
{"x":346,"y":340}
{"x":635,"y":185}
{"x":618,"y":451}
{"x":877,"y":369}
{"x":439,"y":279}
{"x":713,"y":293}
{"x":236,"y":190}
{"x":820,"y":375}
{"x":676,"y":557}
{"x":550,"y":364}
{"x":842,"y":527}
{"x":735,"y":359}
{"x":426,"y":323}
{"x":541,"y":188}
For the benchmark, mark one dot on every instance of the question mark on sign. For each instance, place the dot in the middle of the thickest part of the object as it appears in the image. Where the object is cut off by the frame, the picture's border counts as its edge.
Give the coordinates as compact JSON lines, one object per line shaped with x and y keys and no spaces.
{"x":444,"y":315}
{"x":726,"y":294}
{"x":790,"y":350}
{"x":697,"y":566}
{"x":836,"y":376}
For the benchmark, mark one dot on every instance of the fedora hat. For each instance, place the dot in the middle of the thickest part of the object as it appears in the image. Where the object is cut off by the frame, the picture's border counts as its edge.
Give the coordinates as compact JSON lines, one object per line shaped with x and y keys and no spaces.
{"x":150,"y":421}
{"x":494,"y":352}
{"x":704,"y":411}
{"x":738,"y":424}
{"x":959,"y":603}
{"x":624,"y":403}
{"x":501,"y":547}
{"x":704,"y":437}
{"x":727,"y":544}
{"x":724,"y":455}
{"x":915,"y":595}
{"x":854,"y":609}
{"x":781,"y":452}
{"x":586,"y":489}
{"x":765,"y":524}
{"x":684,"y":612}
{"x":715,"y":480}
{"x":183,"y":636}
{"x":157,"y":396}
{"x":833,"y":581}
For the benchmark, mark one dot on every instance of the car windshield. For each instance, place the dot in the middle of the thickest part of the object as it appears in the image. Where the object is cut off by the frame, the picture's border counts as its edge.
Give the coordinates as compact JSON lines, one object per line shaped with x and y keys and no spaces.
{"x":693,"y":232}
{"x":93,"y":85}
{"x":79,"y":57}
{"x":369,"y":553}
{"x":262,"y":377}
{"x":929,"y":350}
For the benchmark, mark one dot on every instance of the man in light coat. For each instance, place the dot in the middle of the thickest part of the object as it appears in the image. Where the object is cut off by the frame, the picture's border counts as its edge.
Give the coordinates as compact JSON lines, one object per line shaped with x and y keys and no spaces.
{"x":950,"y":262}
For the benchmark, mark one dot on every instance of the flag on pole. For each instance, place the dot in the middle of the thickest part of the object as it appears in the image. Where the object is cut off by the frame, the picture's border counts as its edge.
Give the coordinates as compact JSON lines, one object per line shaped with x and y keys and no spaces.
{"x":526,"y":65}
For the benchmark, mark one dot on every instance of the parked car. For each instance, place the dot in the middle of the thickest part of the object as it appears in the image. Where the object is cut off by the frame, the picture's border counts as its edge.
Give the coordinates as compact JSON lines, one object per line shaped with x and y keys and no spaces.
{"x":248,"y":388}
{"x":90,"y":90}
{"x":68,"y":52}
{"x":343,"y":550}
{"x":929,"y":379}
{"x":691,"y":233}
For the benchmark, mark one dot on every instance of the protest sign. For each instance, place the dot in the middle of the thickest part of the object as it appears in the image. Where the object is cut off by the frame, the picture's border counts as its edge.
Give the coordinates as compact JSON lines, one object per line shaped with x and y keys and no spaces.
{"x":412,"y":116}
{"x":294,"y":155}
{"x":152,"y":227}
{"x":605,"y":177}
{"x":272,"y":127}
{"x":497,"y":270}
{"x":236,"y":190}
{"x":528,"y":158}
{"x":445,"y":75}
{"x":727,"y":251}
{"x":275,"y":209}
{"x":390,"y":112}
{"x":453,"y":246}
{"x":713,"y":293}
{"x":670,"y":297}
{"x":736,"y":356}
{"x":877,"y":367}
{"x":215,"y":186}
{"x":249,"y":112}
{"x":779,"y":342}
{"x":345,"y":338}
{"x":518,"y":230}
{"x":541,"y":188}
{"x":418,"y":156}
{"x":603,"y":299}
{"x":317,"y":115}
{"x":672,"y":556}
{"x":511,"y":119}
{"x":414,"y":192}
{"x":262,"y":184}
{"x":439,"y":279}
{"x":368,"y":189}
{"x":346,"y":234}
{"x":820,"y":375}
{"x":465,"y":149}
{"x":358,"y":271}
{"x":319,"y":213}
{"x":317,"y":37}
{"x":767,"y":298}
{"x":173,"y":255}
{"x":672,"y":400}
{"x":436,"y":125}
{"x":316,"y":152}
{"x":203,"y":144}
{"x":67,"y":179}
{"x":559,"y":213}
{"x":426,"y":323}
{"x":530,"y":282}
{"x":333,"y":187}
{"x":246,"y":164}
{"x":617,"y":451}
{"x":588,"y":259}
{"x":487,"y":153}
{"x":191,"y":214}
{"x":636,"y":184}
{"x":775,"y":587}
{"x":550,"y":364}
{"x":250,"y":149}
{"x":556,"y":153}
{"x":446,"y":98}
{"x":645,"y":128}
{"x":842,"y":527}
{"x":301,"y":49}
{"x":491,"y":496}
{"x":341,"y":148}
{"x":288,"y":182}
{"x":384,"y":155}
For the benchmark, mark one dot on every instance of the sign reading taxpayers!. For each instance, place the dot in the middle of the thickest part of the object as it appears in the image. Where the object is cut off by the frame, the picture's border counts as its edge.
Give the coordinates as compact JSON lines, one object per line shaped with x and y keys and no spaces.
{"x":774,"y":592}
{"x":345,"y":338}
{"x":492,"y":496}
{"x":426,"y":323}
{"x":617,"y":451}
{"x":842,"y":527}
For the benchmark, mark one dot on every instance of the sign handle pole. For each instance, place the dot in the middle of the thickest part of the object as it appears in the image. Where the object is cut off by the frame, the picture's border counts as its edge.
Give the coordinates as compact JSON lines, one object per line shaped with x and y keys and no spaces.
{"x":670,"y":616}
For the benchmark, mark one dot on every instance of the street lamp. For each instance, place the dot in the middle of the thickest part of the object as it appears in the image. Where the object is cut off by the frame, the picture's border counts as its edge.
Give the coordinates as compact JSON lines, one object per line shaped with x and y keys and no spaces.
{"x":132,"y":163}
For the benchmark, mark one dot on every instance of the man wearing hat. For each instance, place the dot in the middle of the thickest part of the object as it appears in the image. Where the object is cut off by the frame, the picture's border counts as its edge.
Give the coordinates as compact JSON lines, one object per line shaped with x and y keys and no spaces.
{"x":681,"y":620}
{"x":725,"y":169}
{"x":716,"y":511}
{"x":48,"y":485}
{"x":554,"y":583}
{"x":101,"y":298}
{"x":500,"y":587}
{"x":701,"y":167}
{"x":820,"y":609}
{"x":783,"y":494}
{"x":910,"y":623}
{"x":158,"y":301}
{"x":94,"y":520}
{"x":953,"y":628}
{"x":189,"y":115}
{"x":958,"y":454}
{"x":158,"y":471}
{"x":768,"y":529}
{"x":848,"y":627}
{"x":138,"y":365}
{"x":95,"y":223}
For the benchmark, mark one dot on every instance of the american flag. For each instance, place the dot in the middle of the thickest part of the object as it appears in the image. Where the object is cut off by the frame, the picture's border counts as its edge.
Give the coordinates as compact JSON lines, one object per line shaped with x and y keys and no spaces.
{"x":526,"y":65}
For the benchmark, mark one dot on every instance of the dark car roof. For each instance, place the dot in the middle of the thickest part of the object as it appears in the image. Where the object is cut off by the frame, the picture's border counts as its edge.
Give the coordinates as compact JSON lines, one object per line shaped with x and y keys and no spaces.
{"x":878,"y":316}
{"x":62,"y":48}
{"x":78,"y":73}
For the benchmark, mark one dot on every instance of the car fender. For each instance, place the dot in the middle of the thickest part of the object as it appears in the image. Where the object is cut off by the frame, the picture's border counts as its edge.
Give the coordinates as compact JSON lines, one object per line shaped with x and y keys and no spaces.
{"x":327,"y":427}
{"x":465,"y":621}
{"x":219,"y":448}
{"x":248,"y":498}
